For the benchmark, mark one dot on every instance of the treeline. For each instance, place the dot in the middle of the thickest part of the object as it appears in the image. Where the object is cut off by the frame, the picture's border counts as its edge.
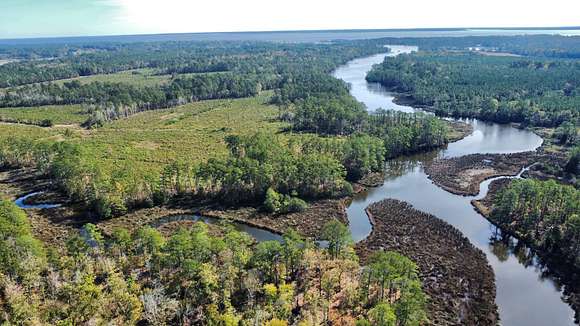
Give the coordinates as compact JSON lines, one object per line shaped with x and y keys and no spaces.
{"x":245,"y":68}
{"x":322,"y":104}
{"x":51,"y":62}
{"x":196,"y":277}
{"x":407,"y":133}
{"x":186,"y":57}
{"x":545,"y":213}
{"x":261,"y":167}
{"x":80,"y":177}
{"x":502,"y":89}
{"x":553,"y":46}
{"x":110,"y":58}
{"x":179,"y":91}
{"x":110,"y":101}
{"x":308,"y":169}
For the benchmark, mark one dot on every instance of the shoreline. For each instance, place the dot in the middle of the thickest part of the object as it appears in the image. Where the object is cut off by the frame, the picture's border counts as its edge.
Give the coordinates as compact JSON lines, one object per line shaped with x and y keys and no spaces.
{"x":558,"y":266}
{"x":547,"y":152}
{"x":463,"y":175}
{"x":455,"y":274}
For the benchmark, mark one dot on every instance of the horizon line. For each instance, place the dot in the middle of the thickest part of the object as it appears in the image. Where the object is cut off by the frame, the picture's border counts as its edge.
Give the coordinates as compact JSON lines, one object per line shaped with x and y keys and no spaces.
{"x":531,"y":28}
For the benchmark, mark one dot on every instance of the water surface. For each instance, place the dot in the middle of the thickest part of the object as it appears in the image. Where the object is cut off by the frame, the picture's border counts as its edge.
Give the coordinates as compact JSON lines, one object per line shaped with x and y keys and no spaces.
{"x":525,"y":294}
{"x":20,"y":202}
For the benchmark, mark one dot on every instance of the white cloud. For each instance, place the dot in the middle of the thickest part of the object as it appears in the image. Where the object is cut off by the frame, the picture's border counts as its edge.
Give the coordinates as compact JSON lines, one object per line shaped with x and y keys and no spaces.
{"x":245,"y":15}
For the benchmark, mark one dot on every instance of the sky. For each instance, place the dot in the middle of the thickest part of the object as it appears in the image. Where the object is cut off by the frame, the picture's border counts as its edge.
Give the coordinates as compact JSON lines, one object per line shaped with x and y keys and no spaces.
{"x":42,"y":18}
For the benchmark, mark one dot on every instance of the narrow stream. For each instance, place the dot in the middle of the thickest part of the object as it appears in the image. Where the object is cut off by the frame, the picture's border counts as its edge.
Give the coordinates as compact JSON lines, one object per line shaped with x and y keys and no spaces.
{"x":525,"y":295}
{"x":20,"y":202}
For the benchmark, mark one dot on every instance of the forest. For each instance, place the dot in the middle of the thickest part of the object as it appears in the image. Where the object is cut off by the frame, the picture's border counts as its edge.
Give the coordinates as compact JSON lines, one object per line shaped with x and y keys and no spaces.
{"x":199,"y":71}
{"x":202,"y":275}
{"x":307,"y":167}
{"x":535,"y":92}
{"x":544,"y":213}
{"x":549,"y":46}
{"x":262,"y":134}
{"x":350,"y":142}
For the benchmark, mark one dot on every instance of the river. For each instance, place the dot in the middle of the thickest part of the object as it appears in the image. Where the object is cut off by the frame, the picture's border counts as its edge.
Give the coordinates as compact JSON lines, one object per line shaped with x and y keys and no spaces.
{"x":525,"y":295}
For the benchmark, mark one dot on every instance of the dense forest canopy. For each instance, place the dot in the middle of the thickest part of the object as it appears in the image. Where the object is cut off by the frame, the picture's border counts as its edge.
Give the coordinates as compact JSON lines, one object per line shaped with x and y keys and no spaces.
{"x":202,"y":275}
{"x":312,"y":140}
{"x":543,"y":212}
{"x":553,"y":46}
{"x":220,"y":70}
{"x":533,"y":45}
{"x":532,"y":91}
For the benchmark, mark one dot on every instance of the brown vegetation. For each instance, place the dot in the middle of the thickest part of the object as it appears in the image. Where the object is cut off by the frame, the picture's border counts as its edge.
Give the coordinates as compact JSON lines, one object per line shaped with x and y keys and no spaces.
{"x":462,"y":175}
{"x":454,"y":273}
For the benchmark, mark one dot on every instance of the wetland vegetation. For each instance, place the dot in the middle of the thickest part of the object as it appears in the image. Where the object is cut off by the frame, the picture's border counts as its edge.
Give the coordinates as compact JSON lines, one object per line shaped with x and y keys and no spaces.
{"x":262,"y":134}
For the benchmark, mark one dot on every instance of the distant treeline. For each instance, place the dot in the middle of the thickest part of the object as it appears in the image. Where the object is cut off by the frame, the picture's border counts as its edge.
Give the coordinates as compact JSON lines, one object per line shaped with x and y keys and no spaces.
{"x":535,"y":91}
{"x":247,"y":69}
{"x":553,"y":46}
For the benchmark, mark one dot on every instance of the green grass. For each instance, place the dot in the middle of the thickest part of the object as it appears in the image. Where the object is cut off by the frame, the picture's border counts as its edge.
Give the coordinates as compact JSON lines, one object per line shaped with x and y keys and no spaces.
{"x":192,"y":132}
{"x":28,"y":132}
{"x":147,"y":141}
{"x":58,"y":114}
{"x":137,"y":77}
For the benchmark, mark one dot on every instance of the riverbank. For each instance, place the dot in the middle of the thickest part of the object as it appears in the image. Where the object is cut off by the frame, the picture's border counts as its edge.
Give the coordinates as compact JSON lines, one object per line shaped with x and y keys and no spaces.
{"x":455,"y":274}
{"x":54,"y":225}
{"x":519,"y":284}
{"x":568,"y":276}
{"x":463,"y":175}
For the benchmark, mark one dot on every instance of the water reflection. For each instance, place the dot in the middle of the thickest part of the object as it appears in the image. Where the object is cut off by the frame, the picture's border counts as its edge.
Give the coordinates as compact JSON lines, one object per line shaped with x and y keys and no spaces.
{"x":20,"y":202}
{"x":493,"y":138}
{"x":527,"y":294}
{"x":257,"y":233}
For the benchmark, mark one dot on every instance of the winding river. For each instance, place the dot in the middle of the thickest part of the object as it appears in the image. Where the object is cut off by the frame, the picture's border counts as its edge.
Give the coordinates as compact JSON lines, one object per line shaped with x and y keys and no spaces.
{"x":525,"y":295}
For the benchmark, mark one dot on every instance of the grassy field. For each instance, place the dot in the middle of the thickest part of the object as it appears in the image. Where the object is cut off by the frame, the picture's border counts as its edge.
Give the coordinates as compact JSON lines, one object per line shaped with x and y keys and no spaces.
{"x":8,"y":130}
{"x":149,"y":140}
{"x":146,"y":77}
{"x":6,"y":61}
{"x":58,"y":114}
{"x":137,"y":77}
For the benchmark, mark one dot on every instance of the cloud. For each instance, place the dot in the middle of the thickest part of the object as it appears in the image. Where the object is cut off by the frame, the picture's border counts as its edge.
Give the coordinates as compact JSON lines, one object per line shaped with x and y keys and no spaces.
{"x":166,"y":16}
{"x":220,"y":15}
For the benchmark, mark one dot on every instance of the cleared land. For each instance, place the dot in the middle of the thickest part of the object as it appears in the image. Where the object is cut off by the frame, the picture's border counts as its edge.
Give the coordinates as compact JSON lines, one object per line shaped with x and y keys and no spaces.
{"x":136,"y":77}
{"x":149,"y":140}
{"x":58,"y":114}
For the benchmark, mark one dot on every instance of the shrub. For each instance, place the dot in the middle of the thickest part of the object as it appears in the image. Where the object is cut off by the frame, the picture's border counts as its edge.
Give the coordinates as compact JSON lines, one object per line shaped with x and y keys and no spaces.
{"x":273,"y":201}
{"x":295,"y":205}
{"x":46,"y":123}
{"x":278,"y":203}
